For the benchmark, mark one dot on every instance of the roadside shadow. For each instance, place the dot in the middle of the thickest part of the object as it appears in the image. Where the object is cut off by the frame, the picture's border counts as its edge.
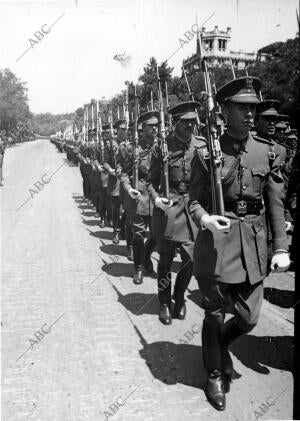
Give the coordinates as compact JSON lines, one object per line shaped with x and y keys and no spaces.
{"x":173,"y":363}
{"x":118,"y":269}
{"x":279,"y":297}
{"x":114,"y":249}
{"x":105,"y":235}
{"x":92,"y":213}
{"x":138,"y":303}
{"x":93,"y":223}
{"x":260,"y":352}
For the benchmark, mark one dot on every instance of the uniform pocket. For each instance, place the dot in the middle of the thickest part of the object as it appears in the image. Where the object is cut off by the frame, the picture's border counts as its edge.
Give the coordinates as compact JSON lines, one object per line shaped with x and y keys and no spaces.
{"x":259,"y":176}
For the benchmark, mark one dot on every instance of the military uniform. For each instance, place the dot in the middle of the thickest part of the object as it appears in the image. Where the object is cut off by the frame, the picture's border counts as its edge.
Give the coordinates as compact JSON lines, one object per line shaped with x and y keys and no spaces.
{"x":102,"y":179}
{"x":111,"y":164}
{"x":140,"y":210}
{"x":231,"y":265}
{"x":174,"y":227}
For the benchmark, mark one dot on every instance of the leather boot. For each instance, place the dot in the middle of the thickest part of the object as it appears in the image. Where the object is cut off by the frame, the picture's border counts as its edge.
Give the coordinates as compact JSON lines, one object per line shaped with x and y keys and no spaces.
{"x":165,"y":314}
{"x":116,"y":238}
{"x":130,"y":254}
{"x":102,"y":223}
{"x":138,"y":277}
{"x":179,"y":311}
{"x":214,"y":390}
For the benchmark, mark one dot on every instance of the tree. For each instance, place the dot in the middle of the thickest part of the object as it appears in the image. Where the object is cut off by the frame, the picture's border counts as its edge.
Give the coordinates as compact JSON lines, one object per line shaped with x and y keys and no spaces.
{"x":13,"y":101}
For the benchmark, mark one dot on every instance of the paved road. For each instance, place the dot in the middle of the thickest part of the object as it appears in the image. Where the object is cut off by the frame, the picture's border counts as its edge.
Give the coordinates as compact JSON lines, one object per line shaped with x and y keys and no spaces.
{"x":81,"y":342}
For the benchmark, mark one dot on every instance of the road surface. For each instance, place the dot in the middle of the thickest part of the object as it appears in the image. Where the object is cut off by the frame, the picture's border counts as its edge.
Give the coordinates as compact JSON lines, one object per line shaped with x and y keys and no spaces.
{"x":81,"y":342}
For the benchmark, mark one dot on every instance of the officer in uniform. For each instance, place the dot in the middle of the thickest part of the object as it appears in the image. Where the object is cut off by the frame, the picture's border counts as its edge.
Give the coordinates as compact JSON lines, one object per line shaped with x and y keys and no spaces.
{"x":171,"y":222}
{"x":231,"y":251}
{"x":125,"y":162}
{"x":113,"y":168}
{"x":103,"y":204}
{"x":137,"y":203}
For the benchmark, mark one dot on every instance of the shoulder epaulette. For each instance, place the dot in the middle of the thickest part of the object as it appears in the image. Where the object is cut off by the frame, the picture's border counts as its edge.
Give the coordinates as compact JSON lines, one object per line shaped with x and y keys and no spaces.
{"x":262,"y":140}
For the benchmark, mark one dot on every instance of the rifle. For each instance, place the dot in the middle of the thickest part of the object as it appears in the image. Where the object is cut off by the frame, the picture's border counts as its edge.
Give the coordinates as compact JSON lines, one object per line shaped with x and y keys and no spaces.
{"x":99,"y":133}
{"x":136,"y":156}
{"x":151,"y":101}
{"x":191,"y":95}
{"x":126,"y":113}
{"x":164,"y":146}
{"x":232,"y":68}
{"x":111,"y":129}
{"x":214,"y":148}
{"x":168,"y":106}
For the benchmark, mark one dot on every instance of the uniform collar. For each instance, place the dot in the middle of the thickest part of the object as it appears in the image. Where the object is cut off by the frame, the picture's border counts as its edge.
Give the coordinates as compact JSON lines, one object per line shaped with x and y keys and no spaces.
{"x":236,"y":145}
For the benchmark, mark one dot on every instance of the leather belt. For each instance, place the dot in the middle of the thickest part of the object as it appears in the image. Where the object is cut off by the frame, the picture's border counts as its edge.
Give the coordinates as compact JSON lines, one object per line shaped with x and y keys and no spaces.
{"x":243,"y":207}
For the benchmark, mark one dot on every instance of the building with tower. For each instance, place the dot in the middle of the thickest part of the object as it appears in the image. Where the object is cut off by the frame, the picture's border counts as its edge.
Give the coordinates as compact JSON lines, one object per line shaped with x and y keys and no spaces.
{"x":216,"y":47}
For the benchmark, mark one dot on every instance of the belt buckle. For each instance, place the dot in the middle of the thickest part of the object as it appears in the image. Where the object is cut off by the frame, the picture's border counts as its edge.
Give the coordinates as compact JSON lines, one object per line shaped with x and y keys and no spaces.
{"x":241,"y":208}
{"x":272,"y":156}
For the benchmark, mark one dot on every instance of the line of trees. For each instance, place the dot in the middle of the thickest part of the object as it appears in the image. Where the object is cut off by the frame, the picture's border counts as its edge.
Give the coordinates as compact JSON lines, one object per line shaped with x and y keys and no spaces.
{"x":279,"y":75}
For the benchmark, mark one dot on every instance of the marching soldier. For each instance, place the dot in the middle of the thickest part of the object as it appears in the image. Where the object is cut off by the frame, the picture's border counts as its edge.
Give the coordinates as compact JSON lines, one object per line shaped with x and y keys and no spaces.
{"x":103,"y":197}
{"x":113,"y":168}
{"x":137,"y":203}
{"x":171,"y":222}
{"x":125,"y":162}
{"x":231,"y":251}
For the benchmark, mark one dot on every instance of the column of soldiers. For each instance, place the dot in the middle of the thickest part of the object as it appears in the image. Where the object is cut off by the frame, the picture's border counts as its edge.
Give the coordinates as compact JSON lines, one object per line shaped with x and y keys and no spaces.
{"x":218,"y":199}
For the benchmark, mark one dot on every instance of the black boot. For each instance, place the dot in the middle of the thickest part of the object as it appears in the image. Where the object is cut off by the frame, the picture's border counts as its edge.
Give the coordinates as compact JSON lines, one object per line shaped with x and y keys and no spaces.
{"x":214,"y":390}
{"x":116,"y":238}
{"x":130,"y":253}
{"x":179,"y":311}
{"x":102,"y":223}
{"x":138,"y":277}
{"x":165,"y":314}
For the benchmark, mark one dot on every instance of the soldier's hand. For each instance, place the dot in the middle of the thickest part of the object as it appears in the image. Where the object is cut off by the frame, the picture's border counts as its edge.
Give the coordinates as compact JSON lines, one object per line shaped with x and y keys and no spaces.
{"x":215,"y":223}
{"x":134,"y":194}
{"x":288,"y":226}
{"x":163,"y":203}
{"x":112,"y":172}
{"x":280,"y":262}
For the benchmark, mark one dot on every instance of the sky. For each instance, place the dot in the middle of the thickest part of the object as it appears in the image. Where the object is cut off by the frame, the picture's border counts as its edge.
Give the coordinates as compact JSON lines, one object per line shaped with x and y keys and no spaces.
{"x":64,"y":50}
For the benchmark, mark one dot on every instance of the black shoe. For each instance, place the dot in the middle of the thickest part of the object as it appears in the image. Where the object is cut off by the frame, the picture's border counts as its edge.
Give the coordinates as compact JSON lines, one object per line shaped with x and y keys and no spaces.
{"x":165,"y":314}
{"x":214,"y":390}
{"x":130,"y":254}
{"x":138,"y":277}
{"x":116,"y":238}
{"x":179,"y":312}
{"x":102,"y":223}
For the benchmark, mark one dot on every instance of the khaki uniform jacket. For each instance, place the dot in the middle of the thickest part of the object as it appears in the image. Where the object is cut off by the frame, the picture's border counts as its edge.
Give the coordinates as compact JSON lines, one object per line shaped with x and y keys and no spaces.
{"x":111,"y":161}
{"x":176,"y":223}
{"x":242,"y":253}
{"x":144,"y":205}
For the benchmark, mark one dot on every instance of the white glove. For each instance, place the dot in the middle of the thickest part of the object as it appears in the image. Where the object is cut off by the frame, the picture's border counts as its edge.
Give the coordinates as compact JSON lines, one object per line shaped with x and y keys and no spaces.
{"x":280,"y":262}
{"x":215,"y":223}
{"x":134,"y":194}
{"x":163,"y":203}
{"x":288,"y":226}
